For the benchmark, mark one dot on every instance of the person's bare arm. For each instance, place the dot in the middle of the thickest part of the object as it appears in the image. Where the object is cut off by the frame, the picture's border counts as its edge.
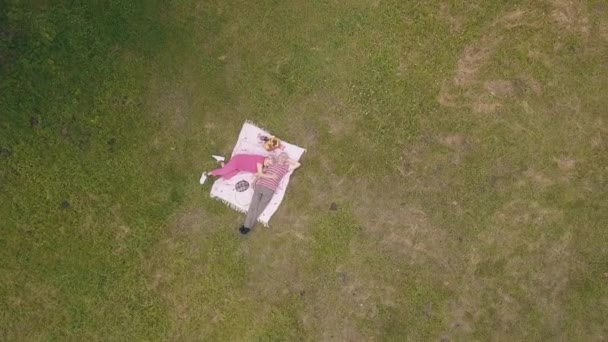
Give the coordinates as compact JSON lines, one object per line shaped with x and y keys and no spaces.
{"x":260,"y":173}
{"x":293,"y":164}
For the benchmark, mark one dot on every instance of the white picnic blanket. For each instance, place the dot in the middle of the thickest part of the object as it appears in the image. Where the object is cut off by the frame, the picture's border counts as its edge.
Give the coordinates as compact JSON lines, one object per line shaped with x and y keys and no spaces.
{"x":250,"y":143}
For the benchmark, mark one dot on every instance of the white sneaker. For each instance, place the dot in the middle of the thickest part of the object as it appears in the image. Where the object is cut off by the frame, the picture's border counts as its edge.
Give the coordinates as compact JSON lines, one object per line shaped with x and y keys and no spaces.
{"x":203,"y":178}
{"x":218,"y":158}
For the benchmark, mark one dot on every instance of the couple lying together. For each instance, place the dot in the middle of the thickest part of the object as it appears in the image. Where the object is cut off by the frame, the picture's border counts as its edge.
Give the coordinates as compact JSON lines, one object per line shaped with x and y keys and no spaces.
{"x":268,"y":174}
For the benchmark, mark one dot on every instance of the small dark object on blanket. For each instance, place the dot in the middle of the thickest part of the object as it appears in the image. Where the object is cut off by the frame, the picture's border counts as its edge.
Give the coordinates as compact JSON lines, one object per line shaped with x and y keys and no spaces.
{"x":241,"y":186}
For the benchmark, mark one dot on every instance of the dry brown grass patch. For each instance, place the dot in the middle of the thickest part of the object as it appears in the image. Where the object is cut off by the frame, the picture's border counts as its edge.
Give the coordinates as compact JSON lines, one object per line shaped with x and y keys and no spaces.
{"x":526,"y":82}
{"x":534,"y":271}
{"x":351,"y":296}
{"x":42,"y":301}
{"x":520,"y":212}
{"x":276,"y":264}
{"x":188,"y":223}
{"x":184,"y":233}
{"x":173,"y":101}
{"x":121,"y":230}
{"x":456,"y":141}
{"x":535,"y":177}
{"x":571,"y":15}
{"x":499,"y":87}
{"x":472,"y":60}
{"x":603,"y":30}
{"x":565,"y":164}
{"x":456,"y":22}
{"x":404,"y":232}
{"x":466,"y":89}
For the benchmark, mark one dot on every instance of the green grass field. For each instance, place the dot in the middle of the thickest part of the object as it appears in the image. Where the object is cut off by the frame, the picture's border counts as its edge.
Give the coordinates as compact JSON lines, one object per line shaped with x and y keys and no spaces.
{"x":465,"y":146}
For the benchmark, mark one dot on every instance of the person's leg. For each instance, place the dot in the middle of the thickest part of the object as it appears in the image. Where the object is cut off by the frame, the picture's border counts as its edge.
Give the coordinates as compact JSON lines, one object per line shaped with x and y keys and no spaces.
{"x":228,"y":175}
{"x":256,"y":209}
{"x":227,"y":171}
{"x":252,"y":212}
{"x":267,"y":195}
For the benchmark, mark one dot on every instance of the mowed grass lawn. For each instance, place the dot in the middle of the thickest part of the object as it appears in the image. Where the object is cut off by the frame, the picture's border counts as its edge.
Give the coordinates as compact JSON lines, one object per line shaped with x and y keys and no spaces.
{"x":465,"y":145}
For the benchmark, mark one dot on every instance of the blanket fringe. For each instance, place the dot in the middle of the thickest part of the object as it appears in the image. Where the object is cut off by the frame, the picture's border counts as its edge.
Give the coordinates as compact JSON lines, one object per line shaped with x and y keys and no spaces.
{"x":229,"y":204}
{"x":238,"y":209}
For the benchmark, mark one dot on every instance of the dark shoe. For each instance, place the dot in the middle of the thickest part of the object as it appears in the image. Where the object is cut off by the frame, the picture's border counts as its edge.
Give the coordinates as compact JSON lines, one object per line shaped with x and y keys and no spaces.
{"x":244,"y":230}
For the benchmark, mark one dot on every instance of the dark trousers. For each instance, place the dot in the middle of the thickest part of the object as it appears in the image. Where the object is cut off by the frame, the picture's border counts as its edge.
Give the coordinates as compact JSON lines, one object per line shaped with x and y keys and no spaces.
{"x":261,"y":197}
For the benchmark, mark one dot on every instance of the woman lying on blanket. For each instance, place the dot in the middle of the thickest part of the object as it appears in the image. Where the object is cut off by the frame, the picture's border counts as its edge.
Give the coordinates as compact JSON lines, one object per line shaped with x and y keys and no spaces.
{"x":239,"y":163}
{"x":267,"y":181}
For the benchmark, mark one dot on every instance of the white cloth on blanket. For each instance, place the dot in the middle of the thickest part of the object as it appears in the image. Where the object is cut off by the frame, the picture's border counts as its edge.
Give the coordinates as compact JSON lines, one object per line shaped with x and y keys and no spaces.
{"x":249,"y":143}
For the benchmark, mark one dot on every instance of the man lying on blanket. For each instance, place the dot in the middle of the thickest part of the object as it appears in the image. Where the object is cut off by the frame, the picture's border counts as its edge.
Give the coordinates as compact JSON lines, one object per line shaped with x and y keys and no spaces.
{"x":267,"y":179}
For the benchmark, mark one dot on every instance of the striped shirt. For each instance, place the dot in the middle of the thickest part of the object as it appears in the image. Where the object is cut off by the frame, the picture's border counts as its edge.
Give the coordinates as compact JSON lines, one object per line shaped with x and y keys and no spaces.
{"x":276,"y":170}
